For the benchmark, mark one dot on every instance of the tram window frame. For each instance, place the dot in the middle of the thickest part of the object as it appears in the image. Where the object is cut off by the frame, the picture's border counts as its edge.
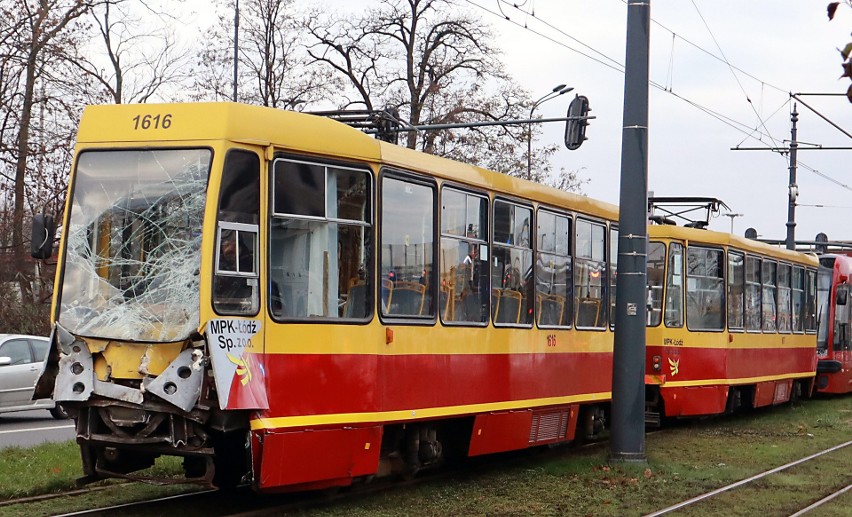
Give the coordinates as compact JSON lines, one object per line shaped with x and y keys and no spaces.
{"x":654,"y":303}
{"x":784,"y":324}
{"x":674,"y":310}
{"x":810,"y":305}
{"x":797,"y":284}
{"x":769,"y":273}
{"x":613,"y":272}
{"x":236,"y":291}
{"x":388,"y":290}
{"x":594,"y":252}
{"x":288,"y":304}
{"x":512,"y":241}
{"x":697,"y":281}
{"x":461,"y":307}
{"x":552,"y":252}
{"x":736,"y":279}
{"x":753,"y":309}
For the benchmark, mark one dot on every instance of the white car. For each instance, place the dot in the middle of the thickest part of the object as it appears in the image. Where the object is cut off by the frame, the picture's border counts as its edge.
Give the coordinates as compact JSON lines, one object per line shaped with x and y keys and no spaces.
{"x":21,"y":359}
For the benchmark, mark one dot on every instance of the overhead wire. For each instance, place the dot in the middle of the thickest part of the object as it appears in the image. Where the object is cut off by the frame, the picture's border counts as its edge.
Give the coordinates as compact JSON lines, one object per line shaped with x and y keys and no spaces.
{"x":614,"y":64}
{"x":731,"y":68}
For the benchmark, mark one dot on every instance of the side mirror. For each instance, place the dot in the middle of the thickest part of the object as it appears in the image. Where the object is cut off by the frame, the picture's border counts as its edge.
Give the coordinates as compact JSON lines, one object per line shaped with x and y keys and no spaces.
{"x":42,"y":237}
{"x":842,"y":294}
{"x":578,"y":119}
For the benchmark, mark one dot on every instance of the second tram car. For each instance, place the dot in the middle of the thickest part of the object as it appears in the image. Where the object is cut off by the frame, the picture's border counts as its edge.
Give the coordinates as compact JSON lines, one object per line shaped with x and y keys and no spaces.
{"x":732,"y":323}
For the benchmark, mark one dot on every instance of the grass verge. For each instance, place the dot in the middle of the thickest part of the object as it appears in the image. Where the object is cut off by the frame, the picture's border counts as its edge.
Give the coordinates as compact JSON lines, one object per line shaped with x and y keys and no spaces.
{"x":692,"y":458}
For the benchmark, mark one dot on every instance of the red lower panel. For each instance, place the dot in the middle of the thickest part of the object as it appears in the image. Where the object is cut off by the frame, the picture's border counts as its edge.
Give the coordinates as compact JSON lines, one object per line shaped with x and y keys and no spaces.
{"x":696,"y":364}
{"x":774,"y":392}
{"x":694,"y":400}
{"x":838,"y":379}
{"x":334,"y":456}
{"x":835,"y":383}
{"x":498,"y":432}
{"x":331,"y":384}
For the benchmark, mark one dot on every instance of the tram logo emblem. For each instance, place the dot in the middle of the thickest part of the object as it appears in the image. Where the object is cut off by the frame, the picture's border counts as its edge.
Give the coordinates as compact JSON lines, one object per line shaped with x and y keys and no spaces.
{"x":243,"y":369}
{"x":674,"y":366}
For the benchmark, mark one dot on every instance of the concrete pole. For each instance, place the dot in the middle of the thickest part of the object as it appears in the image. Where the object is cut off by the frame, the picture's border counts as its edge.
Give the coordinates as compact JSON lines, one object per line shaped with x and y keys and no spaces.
{"x":627,"y":441}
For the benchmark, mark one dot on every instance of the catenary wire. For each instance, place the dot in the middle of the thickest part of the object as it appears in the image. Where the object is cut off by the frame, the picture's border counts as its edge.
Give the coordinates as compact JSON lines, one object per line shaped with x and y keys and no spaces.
{"x":615,"y":65}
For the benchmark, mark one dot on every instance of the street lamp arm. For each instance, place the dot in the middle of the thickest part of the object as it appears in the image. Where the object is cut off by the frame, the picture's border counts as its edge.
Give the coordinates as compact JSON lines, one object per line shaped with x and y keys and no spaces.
{"x":552,"y":94}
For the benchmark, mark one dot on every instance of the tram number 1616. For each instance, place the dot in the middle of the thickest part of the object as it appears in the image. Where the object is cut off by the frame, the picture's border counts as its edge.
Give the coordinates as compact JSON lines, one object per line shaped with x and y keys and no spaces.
{"x":152,"y":121}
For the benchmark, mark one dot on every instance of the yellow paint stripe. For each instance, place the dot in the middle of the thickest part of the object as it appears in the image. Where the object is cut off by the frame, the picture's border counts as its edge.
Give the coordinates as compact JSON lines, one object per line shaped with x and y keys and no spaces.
{"x":735,"y":382}
{"x":414,"y":414}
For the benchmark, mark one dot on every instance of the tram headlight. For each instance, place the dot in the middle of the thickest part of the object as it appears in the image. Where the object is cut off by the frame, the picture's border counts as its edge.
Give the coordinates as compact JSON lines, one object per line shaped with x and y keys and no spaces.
{"x":657,"y":363}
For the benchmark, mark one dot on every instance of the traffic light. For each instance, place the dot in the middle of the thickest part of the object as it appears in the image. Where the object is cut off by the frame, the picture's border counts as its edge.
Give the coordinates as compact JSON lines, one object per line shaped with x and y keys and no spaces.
{"x":578,"y":119}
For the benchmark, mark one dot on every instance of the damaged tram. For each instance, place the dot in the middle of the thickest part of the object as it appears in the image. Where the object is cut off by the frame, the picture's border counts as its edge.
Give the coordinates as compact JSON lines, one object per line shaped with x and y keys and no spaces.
{"x":285,"y":301}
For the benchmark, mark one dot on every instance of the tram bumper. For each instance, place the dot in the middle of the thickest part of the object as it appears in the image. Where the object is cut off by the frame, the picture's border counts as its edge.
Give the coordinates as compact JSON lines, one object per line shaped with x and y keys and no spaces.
{"x":69,"y":373}
{"x":125,"y":421}
{"x":829,"y":366}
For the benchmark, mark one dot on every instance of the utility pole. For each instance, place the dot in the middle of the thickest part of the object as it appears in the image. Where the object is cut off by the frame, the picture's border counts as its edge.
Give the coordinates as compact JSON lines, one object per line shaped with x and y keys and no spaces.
{"x":627,"y":442}
{"x":793,"y":188}
{"x":236,"y":44}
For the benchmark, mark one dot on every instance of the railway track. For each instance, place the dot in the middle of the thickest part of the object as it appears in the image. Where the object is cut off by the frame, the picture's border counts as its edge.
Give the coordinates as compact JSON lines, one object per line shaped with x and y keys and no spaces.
{"x":760,"y":476}
{"x":244,"y":503}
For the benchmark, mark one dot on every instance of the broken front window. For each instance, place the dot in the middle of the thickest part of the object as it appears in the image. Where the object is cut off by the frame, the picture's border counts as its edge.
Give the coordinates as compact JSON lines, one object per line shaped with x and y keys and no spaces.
{"x":133,"y":244}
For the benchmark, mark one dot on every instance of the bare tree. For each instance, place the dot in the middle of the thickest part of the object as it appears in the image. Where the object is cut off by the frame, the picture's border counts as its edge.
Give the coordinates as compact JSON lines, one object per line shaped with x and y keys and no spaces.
{"x":438,"y":65}
{"x":45,"y":36}
{"x":272,"y":62}
{"x":139,"y":50}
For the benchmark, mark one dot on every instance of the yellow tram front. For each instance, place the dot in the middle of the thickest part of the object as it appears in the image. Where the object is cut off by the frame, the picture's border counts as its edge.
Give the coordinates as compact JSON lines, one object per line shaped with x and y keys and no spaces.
{"x":160,"y":252}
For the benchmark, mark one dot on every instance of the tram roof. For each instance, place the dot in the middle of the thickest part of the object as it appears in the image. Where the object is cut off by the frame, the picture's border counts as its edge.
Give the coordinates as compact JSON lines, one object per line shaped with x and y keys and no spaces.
{"x":699,"y":236}
{"x":258,"y":125}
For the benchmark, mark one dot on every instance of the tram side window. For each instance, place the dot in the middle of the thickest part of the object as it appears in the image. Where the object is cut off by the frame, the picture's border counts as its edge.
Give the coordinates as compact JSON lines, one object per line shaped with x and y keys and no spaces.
{"x":674,"y":287}
{"x":511,"y":265}
{"x":656,"y":275}
{"x":797,"y":282}
{"x":810,"y":314}
{"x":752,"y":294}
{"x":463,"y":291}
{"x":319,"y":241}
{"x":613,"y":272}
{"x":553,"y":270}
{"x":770,"y":282}
{"x":704,"y":289}
{"x":589,"y":272}
{"x":784,"y":298}
{"x":235,"y":283}
{"x":408,"y":248}
{"x":736,"y":281}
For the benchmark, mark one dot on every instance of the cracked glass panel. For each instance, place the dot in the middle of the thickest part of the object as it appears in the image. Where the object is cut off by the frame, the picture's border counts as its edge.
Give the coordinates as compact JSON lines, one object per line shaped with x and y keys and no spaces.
{"x":133,"y":248}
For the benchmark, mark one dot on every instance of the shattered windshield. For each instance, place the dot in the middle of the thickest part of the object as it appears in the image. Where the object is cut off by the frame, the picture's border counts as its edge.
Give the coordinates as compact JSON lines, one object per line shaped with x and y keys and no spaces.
{"x":133,"y":248}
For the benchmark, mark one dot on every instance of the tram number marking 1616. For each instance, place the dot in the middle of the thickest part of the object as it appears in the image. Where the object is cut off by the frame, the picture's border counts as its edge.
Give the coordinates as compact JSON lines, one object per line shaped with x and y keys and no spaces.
{"x":152,"y":121}
{"x":551,"y":340}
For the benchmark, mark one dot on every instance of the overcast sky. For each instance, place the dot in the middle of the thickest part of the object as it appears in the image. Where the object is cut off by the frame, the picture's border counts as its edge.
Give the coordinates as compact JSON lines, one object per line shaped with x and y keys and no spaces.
{"x":773,"y":47}
{"x":779,"y":46}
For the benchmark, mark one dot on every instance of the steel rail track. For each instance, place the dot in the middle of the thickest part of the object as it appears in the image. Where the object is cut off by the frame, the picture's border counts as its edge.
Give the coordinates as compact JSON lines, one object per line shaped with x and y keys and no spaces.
{"x":822,"y":501}
{"x":746,"y":481}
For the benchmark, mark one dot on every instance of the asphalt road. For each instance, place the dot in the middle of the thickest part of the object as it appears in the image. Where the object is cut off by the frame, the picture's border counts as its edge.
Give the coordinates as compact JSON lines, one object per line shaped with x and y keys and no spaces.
{"x":27,"y":428}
